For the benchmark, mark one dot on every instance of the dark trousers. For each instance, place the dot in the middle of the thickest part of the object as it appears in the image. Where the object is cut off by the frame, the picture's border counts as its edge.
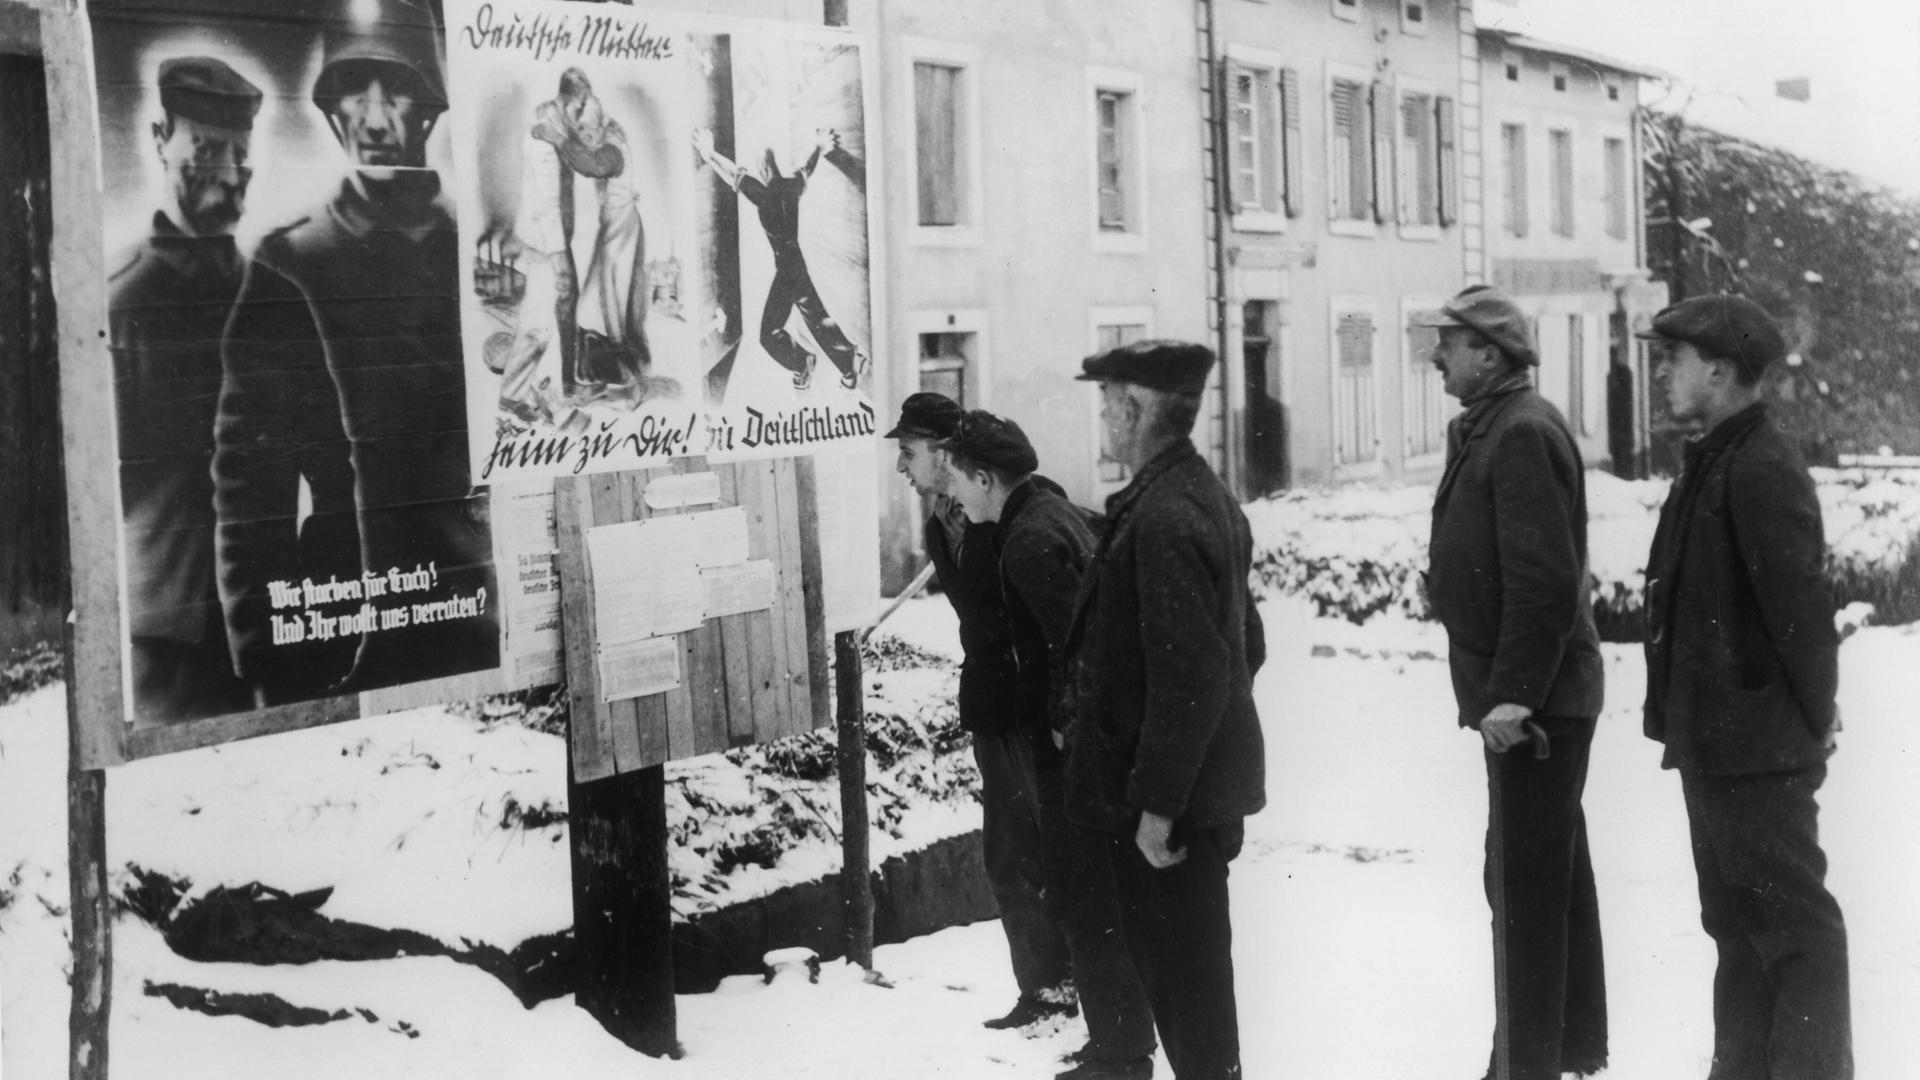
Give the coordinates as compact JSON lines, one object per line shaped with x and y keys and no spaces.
{"x":1551,"y":977}
{"x":1180,"y":934}
{"x":792,"y":288}
{"x":1780,"y":997}
{"x":1016,"y":871}
{"x":1080,"y":892}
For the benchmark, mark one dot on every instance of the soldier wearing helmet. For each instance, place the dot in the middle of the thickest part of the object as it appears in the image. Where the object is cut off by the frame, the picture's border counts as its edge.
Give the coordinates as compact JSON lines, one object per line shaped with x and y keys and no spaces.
{"x":343,"y":375}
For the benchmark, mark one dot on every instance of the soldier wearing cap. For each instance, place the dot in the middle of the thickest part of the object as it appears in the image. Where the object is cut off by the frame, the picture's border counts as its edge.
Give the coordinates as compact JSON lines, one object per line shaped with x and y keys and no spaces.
{"x":167,"y":302}
{"x":1042,"y":544}
{"x":1507,"y":578}
{"x":1165,"y":753}
{"x":344,"y":370}
{"x":1742,"y":669}
{"x":963,"y":554}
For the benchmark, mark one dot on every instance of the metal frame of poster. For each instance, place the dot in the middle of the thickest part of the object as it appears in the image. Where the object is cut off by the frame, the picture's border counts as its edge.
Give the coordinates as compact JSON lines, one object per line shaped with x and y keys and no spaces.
{"x":372,"y":274}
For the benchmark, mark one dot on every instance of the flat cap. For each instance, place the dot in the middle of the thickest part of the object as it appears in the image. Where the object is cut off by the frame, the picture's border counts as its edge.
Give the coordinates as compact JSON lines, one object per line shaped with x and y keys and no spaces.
{"x":1494,"y":314}
{"x":996,"y":441}
{"x":926,"y":415}
{"x":1729,"y":327}
{"x":1173,"y":367}
{"x":207,"y":91}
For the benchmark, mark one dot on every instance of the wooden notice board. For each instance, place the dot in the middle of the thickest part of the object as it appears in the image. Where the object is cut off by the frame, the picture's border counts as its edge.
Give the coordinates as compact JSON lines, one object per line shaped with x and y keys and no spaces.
{"x":744,"y":678}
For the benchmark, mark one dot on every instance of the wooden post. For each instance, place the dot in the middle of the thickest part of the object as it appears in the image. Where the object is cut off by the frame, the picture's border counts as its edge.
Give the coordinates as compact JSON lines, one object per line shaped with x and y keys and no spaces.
{"x":850,"y":715}
{"x":623,"y":907}
{"x":92,"y":908}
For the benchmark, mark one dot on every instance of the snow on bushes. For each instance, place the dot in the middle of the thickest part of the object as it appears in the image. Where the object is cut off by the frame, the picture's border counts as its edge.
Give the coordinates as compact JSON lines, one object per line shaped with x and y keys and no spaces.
{"x":1358,"y":552}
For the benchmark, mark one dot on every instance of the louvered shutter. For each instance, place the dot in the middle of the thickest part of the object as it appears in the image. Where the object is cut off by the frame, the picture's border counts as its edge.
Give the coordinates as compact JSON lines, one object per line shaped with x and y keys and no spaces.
{"x":1383,"y":138}
{"x":1292,"y":157}
{"x":1447,"y":164}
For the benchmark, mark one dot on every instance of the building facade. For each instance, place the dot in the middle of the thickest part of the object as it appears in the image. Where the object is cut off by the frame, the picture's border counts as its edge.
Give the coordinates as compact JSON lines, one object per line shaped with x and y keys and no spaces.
{"x":1348,"y":200}
{"x":1043,"y":197}
{"x":1565,"y":229}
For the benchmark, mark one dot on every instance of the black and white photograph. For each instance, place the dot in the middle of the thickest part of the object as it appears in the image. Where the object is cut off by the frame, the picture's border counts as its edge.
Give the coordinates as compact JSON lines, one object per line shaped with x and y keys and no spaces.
{"x":878,"y":539}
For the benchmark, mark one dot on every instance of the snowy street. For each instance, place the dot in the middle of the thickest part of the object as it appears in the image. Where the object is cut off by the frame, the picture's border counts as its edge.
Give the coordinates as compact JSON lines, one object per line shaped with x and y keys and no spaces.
{"x":1362,"y":946}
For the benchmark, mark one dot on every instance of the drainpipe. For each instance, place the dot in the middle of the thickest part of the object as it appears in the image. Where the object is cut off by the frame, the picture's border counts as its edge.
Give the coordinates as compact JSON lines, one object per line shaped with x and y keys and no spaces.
{"x":1213,"y":169}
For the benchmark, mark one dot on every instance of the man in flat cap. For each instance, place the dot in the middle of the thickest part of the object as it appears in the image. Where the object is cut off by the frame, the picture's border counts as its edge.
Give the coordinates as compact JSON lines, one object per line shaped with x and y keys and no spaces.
{"x":1165,"y":753}
{"x":963,"y":555}
{"x":1042,"y":544}
{"x":167,"y":303}
{"x":1507,"y":577}
{"x":1742,"y":669}
{"x":344,"y":370}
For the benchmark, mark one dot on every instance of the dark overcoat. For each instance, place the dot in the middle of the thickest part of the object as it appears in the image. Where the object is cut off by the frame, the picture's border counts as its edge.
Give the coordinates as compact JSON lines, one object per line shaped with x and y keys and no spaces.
{"x":1742,"y":654}
{"x":1164,"y":644}
{"x":971,"y":581}
{"x":343,"y":369}
{"x":1507,"y":571}
{"x":1044,"y":545}
{"x":167,"y":306}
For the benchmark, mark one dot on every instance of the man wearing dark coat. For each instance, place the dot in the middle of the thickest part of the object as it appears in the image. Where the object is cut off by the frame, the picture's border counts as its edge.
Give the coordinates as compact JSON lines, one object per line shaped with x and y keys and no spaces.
{"x":1742,"y":670}
{"x":1041,"y":545}
{"x":1165,"y":753}
{"x":167,"y":304}
{"x":343,"y":369}
{"x":1508,"y":579}
{"x":963,"y":555}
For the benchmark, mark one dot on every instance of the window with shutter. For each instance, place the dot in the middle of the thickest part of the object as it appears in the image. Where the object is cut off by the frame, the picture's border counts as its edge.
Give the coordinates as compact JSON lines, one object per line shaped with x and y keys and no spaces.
{"x":1256,"y":154}
{"x":1112,"y":163}
{"x":1354,"y":427}
{"x":1615,"y":151}
{"x":1244,"y":139}
{"x":1382,"y":120}
{"x":938,"y":143}
{"x":1350,"y":186}
{"x":1513,"y":170}
{"x":1291,"y":151}
{"x":1447,"y":167}
{"x":1426,"y":411}
{"x":1418,"y":159}
{"x":1560,"y":180}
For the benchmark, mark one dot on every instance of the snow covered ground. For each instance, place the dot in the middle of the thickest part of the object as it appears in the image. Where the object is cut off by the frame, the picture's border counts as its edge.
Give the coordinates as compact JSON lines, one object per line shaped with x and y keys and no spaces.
{"x":1362,"y":944}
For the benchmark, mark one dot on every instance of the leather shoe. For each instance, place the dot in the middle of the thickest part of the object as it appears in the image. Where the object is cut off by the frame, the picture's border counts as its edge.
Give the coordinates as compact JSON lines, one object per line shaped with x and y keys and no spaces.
{"x":1029,"y":1010}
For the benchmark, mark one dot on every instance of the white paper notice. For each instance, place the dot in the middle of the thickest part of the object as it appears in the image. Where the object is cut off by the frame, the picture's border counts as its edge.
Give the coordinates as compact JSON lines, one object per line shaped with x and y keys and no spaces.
{"x":646,"y":574}
{"x":675,"y":490}
{"x":524,"y":552}
{"x":718,"y":538}
{"x":651,"y":666}
{"x":746,"y":586}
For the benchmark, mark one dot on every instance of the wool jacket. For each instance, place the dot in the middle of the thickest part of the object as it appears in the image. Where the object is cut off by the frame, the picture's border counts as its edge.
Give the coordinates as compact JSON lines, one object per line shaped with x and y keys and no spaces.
{"x":1164,"y":643}
{"x":1507,"y":571}
{"x":1742,"y":654}
{"x":1043,"y":546}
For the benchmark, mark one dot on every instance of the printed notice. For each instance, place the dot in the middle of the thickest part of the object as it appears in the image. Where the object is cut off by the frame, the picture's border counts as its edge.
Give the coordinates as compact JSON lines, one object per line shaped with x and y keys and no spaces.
{"x":716,"y":537}
{"x":676,"y":490}
{"x":743,"y":587}
{"x":639,"y":668}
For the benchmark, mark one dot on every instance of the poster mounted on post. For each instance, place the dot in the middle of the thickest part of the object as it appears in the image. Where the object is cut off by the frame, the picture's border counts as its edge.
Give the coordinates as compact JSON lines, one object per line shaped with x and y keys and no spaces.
{"x":380,"y":271}
{"x":667,"y":216}
{"x":299,"y":521}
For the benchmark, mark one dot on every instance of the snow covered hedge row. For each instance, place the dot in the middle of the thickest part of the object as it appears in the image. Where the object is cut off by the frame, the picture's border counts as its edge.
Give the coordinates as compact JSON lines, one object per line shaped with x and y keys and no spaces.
{"x":1358,"y":552}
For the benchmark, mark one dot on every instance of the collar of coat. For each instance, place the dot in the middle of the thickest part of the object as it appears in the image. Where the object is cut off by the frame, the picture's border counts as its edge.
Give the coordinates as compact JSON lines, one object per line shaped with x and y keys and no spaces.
{"x":193,"y":255}
{"x":1162,"y":463}
{"x":1704,"y":448}
{"x":414,"y":216}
